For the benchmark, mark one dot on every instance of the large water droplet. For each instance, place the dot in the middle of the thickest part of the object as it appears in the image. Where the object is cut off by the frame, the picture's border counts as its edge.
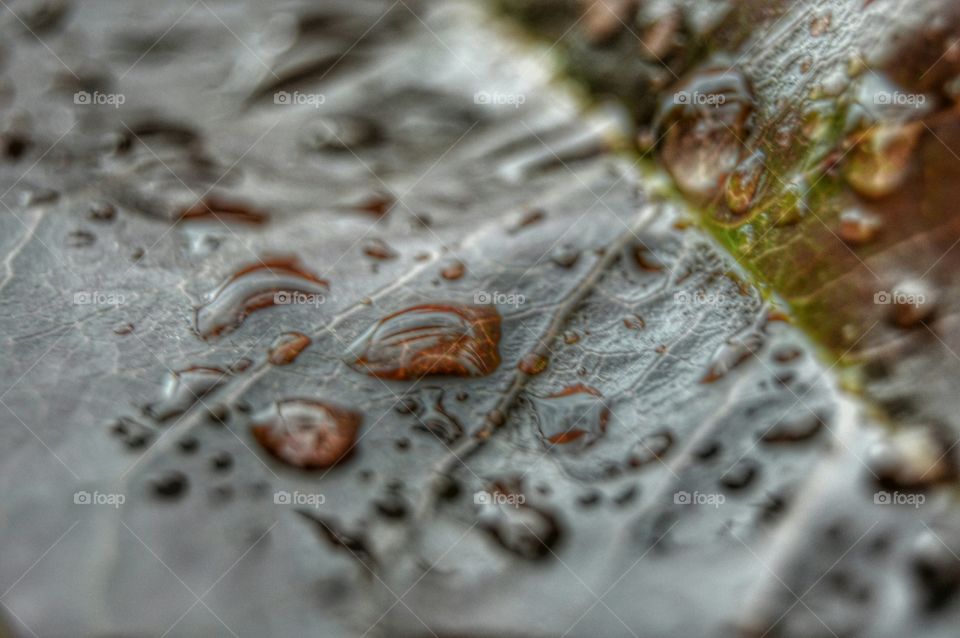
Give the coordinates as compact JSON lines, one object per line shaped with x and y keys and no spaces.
{"x":307,"y":433}
{"x":430,"y":339}
{"x":278,"y":280}
{"x":705,"y":124}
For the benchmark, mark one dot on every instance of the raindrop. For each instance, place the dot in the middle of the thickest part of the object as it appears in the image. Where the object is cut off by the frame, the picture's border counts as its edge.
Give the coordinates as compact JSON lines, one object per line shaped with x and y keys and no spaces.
{"x":306,"y":433}
{"x":287,"y":347}
{"x":575,"y":417}
{"x":184,"y":389}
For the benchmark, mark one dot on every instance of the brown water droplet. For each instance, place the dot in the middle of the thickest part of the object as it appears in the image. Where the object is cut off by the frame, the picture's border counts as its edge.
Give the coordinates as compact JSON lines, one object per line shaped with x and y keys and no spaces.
{"x":858,"y":227}
{"x":881,"y":158}
{"x":123,"y":329}
{"x":378,"y":249}
{"x":533,"y":363}
{"x":430,"y":339}
{"x":241,"y":364}
{"x":308,"y":434}
{"x":274,"y":280}
{"x":646,"y":259}
{"x":912,"y":301}
{"x":287,"y":347}
{"x":185,"y":388}
{"x":453,"y":271}
{"x":636,"y":322}
{"x":378,"y":204}
{"x":575,"y":414}
{"x":703,"y":124}
{"x":744,"y":182}
{"x":217,"y":209}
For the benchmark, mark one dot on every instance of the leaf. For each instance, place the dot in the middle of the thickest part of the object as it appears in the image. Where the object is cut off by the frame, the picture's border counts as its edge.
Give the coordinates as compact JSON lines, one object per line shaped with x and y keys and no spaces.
{"x":585,"y":484}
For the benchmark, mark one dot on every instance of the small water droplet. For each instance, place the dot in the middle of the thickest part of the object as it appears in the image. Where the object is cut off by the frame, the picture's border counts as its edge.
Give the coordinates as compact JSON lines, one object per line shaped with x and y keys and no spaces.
{"x":565,"y":255}
{"x":213,"y":209}
{"x":533,"y":363}
{"x":378,"y":249}
{"x":123,"y":329}
{"x":732,"y":354}
{"x":340,"y":132}
{"x":169,"y":485}
{"x":241,"y":364}
{"x":102,"y":211}
{"x":131,"y":433}
{"x":636,"y":322}
{"x":531,"y":217}
{"x":221,"y":461}
{"x":453,"y":271}
{"x":649,"y":448}
{"x":185,"y":388}
{"x":858,"y":227}
{"x":80,"y":239}
{"x":914,"y":301}
{"x":792,"y":428}
{"x":571,"y":337}
{"x":188,"y":444}
{"x":820,"y":23}
{"x":430,"y":339}
{"x":575,"y":415}
{"x":740,"y":475}
{"x":436,"y":420}
{"x":392,"y":504}
{"x":881,"y":158}
{"x":744,"y":182}
{"x":287,"y":347}
{"x":263,"y":284}
{"x":378,"y":204}
{"x":306,"y":433}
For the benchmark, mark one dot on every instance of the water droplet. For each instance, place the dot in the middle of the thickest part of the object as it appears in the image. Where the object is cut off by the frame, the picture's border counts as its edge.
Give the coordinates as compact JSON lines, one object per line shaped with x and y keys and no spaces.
{"x":391,"y":504}
{"x":703,"y":125}
{"x":792,"y":428}
{"x":744,"y":182}
{"x":533,"y":363}
{"x":378,"y":249}
{"x":287,"y":347}
{"x":169,"y":485}
{"x":858,"y":227}
{"x":881,"y":158}
{"x":571,"y":337}
{"x":565,"y":255}
{"x":732,"y":354}
{"x":936,"y":567}
{"x":306,"y":433}
{"x":521,"y":529}
{"x":740,"y":475}
{"x":185,"y":388}
{"x":123,"y":329}
{"x":912,"y":457}
{"x":188,"y":444}
{"x":216,"y":209}
{"x":80,"y":239}
{"x":341,"y":132}
{"x":576,"y":415}
{"x":221,"y":461}
{"x":131,"y":433}
{"x":260,"y":285}
{"x":646,"y":259}
{"x":820,"y":23}
{"x":453,"y":271}
{"x":649,"y":448}
{"x":436,"y":420}
{"x":101,"y":211}
{"x":378,"y":204}
{"x":914,"y":301}
{"x":636,"y":322}
{"x":241,"y":364}
{"x":430,"y":339}
{"x":531,"y":217}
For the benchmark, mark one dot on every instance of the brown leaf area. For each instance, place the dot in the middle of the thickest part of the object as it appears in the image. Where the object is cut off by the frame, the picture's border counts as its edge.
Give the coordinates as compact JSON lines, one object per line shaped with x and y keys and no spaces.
{"x":213,"y":211}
